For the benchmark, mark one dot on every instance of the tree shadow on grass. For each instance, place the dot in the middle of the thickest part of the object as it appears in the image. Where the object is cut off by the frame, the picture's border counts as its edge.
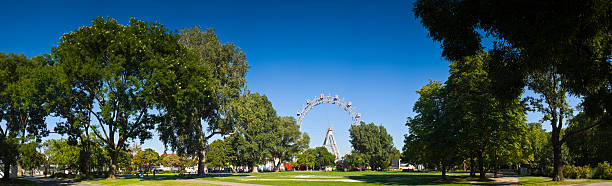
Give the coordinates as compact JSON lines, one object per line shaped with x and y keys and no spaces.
{"x":150,"y":177}
{"x":418,"y":180}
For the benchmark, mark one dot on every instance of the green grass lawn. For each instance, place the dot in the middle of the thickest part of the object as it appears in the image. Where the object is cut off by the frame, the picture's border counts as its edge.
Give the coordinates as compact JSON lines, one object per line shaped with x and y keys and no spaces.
{"x":314,"y":178}
{"x":535,"y":180}
{"x":17,"y":182}
{"x":133,"y":181}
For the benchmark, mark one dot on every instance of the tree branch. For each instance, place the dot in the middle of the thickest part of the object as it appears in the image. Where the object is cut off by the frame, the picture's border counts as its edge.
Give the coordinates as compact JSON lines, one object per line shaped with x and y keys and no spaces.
{"x":571,"y":134}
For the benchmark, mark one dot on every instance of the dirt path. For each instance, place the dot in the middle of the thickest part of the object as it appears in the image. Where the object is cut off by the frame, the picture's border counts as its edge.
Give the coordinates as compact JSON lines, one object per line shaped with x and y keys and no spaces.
{"x":505,"y":181}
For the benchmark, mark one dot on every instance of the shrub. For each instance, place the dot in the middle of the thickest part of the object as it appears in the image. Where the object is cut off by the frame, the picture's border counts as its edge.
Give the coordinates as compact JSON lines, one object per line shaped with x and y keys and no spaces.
{"x":58,"y":175}
{"x":603,"y":171}
{"x":583,"y":172}
{"x":548,"y":171}
{"x":576,"y":172}
{"x":569,"y":171}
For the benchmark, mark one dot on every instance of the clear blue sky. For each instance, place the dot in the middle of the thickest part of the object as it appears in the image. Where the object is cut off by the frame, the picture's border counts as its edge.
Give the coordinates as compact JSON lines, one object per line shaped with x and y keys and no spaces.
{"x":375,"y":54}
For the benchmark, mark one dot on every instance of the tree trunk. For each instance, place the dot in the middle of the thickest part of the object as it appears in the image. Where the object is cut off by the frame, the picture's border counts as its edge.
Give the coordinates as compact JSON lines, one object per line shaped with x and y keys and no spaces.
{"x":472,"y":167}
{"x":113,"y":164}
{"x":496,"y":165}
{"x":443,"y":170}
{"x":557,"y":169}
{"x":483,"y":174}
{"x":84,"y":158}
{"x":202,"y":162}
{"x":254,"y":169}
{"x":277,"y":168}
{"x":6,"y":171}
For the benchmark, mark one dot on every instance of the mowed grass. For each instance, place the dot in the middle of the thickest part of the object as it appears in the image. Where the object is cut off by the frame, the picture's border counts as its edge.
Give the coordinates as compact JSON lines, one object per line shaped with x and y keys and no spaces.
{"x":135,"y":181}
{"x":338,"y":178}
{"x":536,"y":180}
{"x":315,"y":178}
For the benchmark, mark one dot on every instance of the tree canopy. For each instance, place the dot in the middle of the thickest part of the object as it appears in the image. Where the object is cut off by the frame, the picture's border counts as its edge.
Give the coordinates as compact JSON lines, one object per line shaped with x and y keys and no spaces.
{"x":23,"y":103}
{"x":118,"y":70}
{"x":374,"y":142}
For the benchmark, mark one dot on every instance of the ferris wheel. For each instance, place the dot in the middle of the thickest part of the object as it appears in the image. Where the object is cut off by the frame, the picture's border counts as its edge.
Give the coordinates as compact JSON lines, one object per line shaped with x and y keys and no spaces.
{"x":335,"y":100}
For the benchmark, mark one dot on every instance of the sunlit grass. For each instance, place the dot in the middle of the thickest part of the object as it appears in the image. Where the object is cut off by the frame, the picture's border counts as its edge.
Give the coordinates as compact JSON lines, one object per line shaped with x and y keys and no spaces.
{"x":538,"y":180}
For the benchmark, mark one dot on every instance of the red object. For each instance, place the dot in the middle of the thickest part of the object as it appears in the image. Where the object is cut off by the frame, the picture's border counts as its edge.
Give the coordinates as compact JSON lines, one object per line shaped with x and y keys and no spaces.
{"x":287,"y":165}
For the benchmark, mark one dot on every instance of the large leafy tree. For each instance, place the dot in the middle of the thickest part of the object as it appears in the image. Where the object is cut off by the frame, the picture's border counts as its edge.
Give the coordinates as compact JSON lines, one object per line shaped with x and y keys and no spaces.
{"x":197,"y":105}
{"x":219,"y":154}
{"x":23,"y":104}
{"x":323,"y":157}
{"x":61,"y":153}
{"x":374,"y":141}
{"x":552,"y":103}
{"x":171,"y":160}
{"x":291,"y":141}
{"x":256,"y":134}
{"x":112,"y":73}
{"x":356,"y":160}
{"x":307,"y":158}
{"x":430,"y":139}
{"x":483,"y":124}
{"x":30,"y":158}
{"x":569,"y":36}
{"x":146,"y":159}
{"x":593,"y":146}
{"x":537,"y":138}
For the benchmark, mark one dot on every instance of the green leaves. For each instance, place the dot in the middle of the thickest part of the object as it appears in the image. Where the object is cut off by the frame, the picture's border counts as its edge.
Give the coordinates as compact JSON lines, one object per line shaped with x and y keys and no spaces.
{"x":256,"y":120}
{"x":115,"y":73}
{"x":219,"y":154}
{"x":374,"y":142}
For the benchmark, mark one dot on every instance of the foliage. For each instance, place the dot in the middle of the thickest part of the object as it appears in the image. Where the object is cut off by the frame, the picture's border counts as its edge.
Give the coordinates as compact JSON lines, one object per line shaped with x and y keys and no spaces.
{"x":428,"y":140}
{"x":603,"y":171}
{"x":357,"y":160}
{"x":204,"y":91}
{"x":256,"y":133}
{"x":219,"y":154}
{"x":374,"y":141}
{"x":61,"y":153}
{"x":552,"y":103}
{"x":119,"y":70}
{"x":536,"y":43}
{"x":30,"y":158}
{"x":146,"y":159}
{"x":23,"y":103}
{"x":575,"y":40}
{"x":323,"y":157}
{"x":291,"y":141}
{"x":537,"y":138}
{"x":307,"y":158}
{"x":171,"y":160}
{"x":576,"y":172}
{"x":483,"y":125}
{"x":316,"y":157}
{"x":592,"y":146}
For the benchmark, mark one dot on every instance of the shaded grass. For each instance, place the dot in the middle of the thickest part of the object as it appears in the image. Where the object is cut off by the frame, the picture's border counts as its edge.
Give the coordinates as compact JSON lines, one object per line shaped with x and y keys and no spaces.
{"x":12,"y":182}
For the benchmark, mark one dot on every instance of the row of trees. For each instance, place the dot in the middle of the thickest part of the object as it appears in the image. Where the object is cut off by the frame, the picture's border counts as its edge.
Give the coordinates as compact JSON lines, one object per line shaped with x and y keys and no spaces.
{"x":460,"y":120}
{"x":111,"y":84}
{"x":282,"y":142}
{"x":63,"y":156}
{"x":553,"y":50}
